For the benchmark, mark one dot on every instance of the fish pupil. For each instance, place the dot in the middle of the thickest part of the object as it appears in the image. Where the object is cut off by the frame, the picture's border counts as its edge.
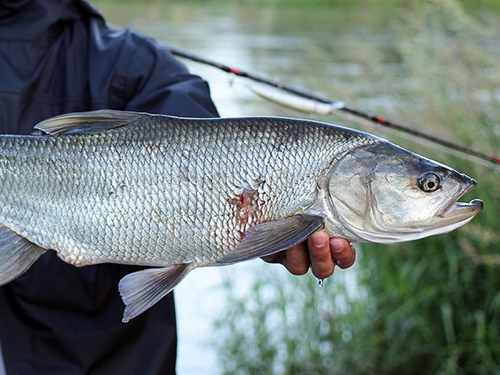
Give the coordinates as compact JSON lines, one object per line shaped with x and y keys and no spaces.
{"x":429,"y":182}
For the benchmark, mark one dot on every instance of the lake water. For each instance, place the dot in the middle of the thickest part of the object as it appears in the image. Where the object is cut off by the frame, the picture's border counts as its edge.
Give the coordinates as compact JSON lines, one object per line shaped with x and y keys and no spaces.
{"x":325,"y":49}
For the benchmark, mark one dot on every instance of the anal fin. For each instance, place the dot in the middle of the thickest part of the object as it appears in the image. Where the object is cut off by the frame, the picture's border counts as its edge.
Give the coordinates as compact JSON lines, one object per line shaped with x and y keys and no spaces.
{"x":142,"y":289}
{"x":273,"y":236}
{"x":17,"y":254}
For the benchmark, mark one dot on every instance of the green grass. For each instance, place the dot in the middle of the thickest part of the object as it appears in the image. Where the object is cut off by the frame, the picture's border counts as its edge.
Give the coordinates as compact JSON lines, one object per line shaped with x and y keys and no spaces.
{"x":469,"y":4}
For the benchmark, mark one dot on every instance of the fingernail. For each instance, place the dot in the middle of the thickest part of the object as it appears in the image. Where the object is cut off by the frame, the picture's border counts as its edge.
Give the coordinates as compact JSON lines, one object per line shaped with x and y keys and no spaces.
{"x":318,"y":241}
{"x":337,"y":245}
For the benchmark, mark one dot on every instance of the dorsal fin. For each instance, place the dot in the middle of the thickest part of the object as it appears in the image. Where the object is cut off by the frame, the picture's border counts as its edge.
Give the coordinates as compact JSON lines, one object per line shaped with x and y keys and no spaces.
{"x":88,"y":122}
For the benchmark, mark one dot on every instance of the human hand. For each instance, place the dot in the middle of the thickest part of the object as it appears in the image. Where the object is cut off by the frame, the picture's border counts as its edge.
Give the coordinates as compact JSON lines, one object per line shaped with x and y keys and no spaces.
{"x":320,"y":252}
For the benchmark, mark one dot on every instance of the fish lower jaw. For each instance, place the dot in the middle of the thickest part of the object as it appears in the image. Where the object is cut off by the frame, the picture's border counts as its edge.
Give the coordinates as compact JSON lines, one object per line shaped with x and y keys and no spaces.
{"x":461,"y":209}
{"x":399,"y":235}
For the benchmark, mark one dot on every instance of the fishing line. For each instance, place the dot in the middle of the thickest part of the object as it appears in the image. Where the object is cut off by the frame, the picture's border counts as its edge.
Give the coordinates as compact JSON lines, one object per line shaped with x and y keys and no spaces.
{"x":337,"y":104}
{"x":427,"y":143}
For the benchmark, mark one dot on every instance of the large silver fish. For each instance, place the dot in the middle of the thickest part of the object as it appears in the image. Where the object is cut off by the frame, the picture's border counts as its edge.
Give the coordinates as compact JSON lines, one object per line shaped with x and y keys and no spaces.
{"x":175,"y":194}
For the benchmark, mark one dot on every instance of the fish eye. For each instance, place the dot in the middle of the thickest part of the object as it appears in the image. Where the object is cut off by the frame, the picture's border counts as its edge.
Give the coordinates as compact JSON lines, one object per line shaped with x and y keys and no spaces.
{"x":429,"y":182}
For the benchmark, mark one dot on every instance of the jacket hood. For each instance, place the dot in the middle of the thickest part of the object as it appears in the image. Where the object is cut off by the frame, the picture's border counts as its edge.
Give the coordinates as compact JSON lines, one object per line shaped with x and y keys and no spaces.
{"x":35,"y":16}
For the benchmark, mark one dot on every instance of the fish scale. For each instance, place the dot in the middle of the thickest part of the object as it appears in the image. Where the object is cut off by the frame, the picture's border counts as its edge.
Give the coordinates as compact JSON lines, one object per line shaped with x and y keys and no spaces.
{"x":114,"y":195}
{"x":153,"y":190}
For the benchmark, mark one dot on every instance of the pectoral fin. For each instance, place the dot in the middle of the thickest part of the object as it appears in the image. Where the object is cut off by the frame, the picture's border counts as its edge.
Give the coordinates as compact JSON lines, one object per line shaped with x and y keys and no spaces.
{"x":273,"y":236}
{"x":142,"y":289}
{"x":17,"y":254}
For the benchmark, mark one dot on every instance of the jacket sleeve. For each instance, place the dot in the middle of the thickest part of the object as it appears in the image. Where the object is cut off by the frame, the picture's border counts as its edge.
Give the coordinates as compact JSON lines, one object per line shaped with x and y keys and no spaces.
{"x":148,"y":78}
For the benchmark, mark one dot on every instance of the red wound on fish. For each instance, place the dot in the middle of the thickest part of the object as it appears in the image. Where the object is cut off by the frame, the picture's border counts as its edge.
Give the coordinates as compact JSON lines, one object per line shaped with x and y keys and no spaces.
{"x":246,"y":207}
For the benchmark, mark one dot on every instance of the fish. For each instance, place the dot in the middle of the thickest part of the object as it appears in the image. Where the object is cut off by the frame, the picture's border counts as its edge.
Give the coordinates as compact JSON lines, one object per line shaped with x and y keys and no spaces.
{"x":173,"y":194}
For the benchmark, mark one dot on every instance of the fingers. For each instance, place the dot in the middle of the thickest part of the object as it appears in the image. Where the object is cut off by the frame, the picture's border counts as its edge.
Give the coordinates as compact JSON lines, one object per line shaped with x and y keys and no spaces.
{"x":343,"y":253}
{"x":295,"y":259}
{"x":320,"y":253}
{"x":322,"y":263}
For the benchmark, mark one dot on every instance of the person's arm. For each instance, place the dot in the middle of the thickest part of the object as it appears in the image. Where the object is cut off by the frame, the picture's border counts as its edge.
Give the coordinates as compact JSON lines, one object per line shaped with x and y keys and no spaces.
{"x":156,"y":82}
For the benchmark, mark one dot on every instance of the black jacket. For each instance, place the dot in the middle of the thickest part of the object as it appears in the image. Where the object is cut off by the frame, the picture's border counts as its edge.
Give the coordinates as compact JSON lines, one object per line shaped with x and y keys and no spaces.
{"x":59,"y":56}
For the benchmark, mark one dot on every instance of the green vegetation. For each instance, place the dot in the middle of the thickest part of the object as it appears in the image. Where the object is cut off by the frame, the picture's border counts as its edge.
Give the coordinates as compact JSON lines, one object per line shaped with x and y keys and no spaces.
{"x":468,"y":3}
{"x":427,"y":307}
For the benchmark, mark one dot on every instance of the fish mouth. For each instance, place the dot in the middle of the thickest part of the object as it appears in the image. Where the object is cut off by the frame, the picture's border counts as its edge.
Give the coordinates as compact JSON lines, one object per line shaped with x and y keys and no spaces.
{"x":462,"y":210}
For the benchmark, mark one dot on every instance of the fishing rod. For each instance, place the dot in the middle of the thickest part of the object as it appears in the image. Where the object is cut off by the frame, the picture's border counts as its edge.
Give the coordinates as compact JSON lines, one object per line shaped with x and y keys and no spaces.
{"x":334,"y":104}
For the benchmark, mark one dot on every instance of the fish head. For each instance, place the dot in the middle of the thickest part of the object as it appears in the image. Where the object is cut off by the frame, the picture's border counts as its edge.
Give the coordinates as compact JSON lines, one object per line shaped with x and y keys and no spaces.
{"x":386,"y":194}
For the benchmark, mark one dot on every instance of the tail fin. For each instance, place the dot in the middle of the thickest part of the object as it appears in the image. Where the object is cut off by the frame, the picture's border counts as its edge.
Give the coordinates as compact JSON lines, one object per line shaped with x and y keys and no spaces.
{"x":17,"y":254}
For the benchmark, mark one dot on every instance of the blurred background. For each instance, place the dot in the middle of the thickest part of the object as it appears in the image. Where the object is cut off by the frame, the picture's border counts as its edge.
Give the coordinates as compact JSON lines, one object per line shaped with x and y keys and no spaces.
{"x":427,"y":307}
